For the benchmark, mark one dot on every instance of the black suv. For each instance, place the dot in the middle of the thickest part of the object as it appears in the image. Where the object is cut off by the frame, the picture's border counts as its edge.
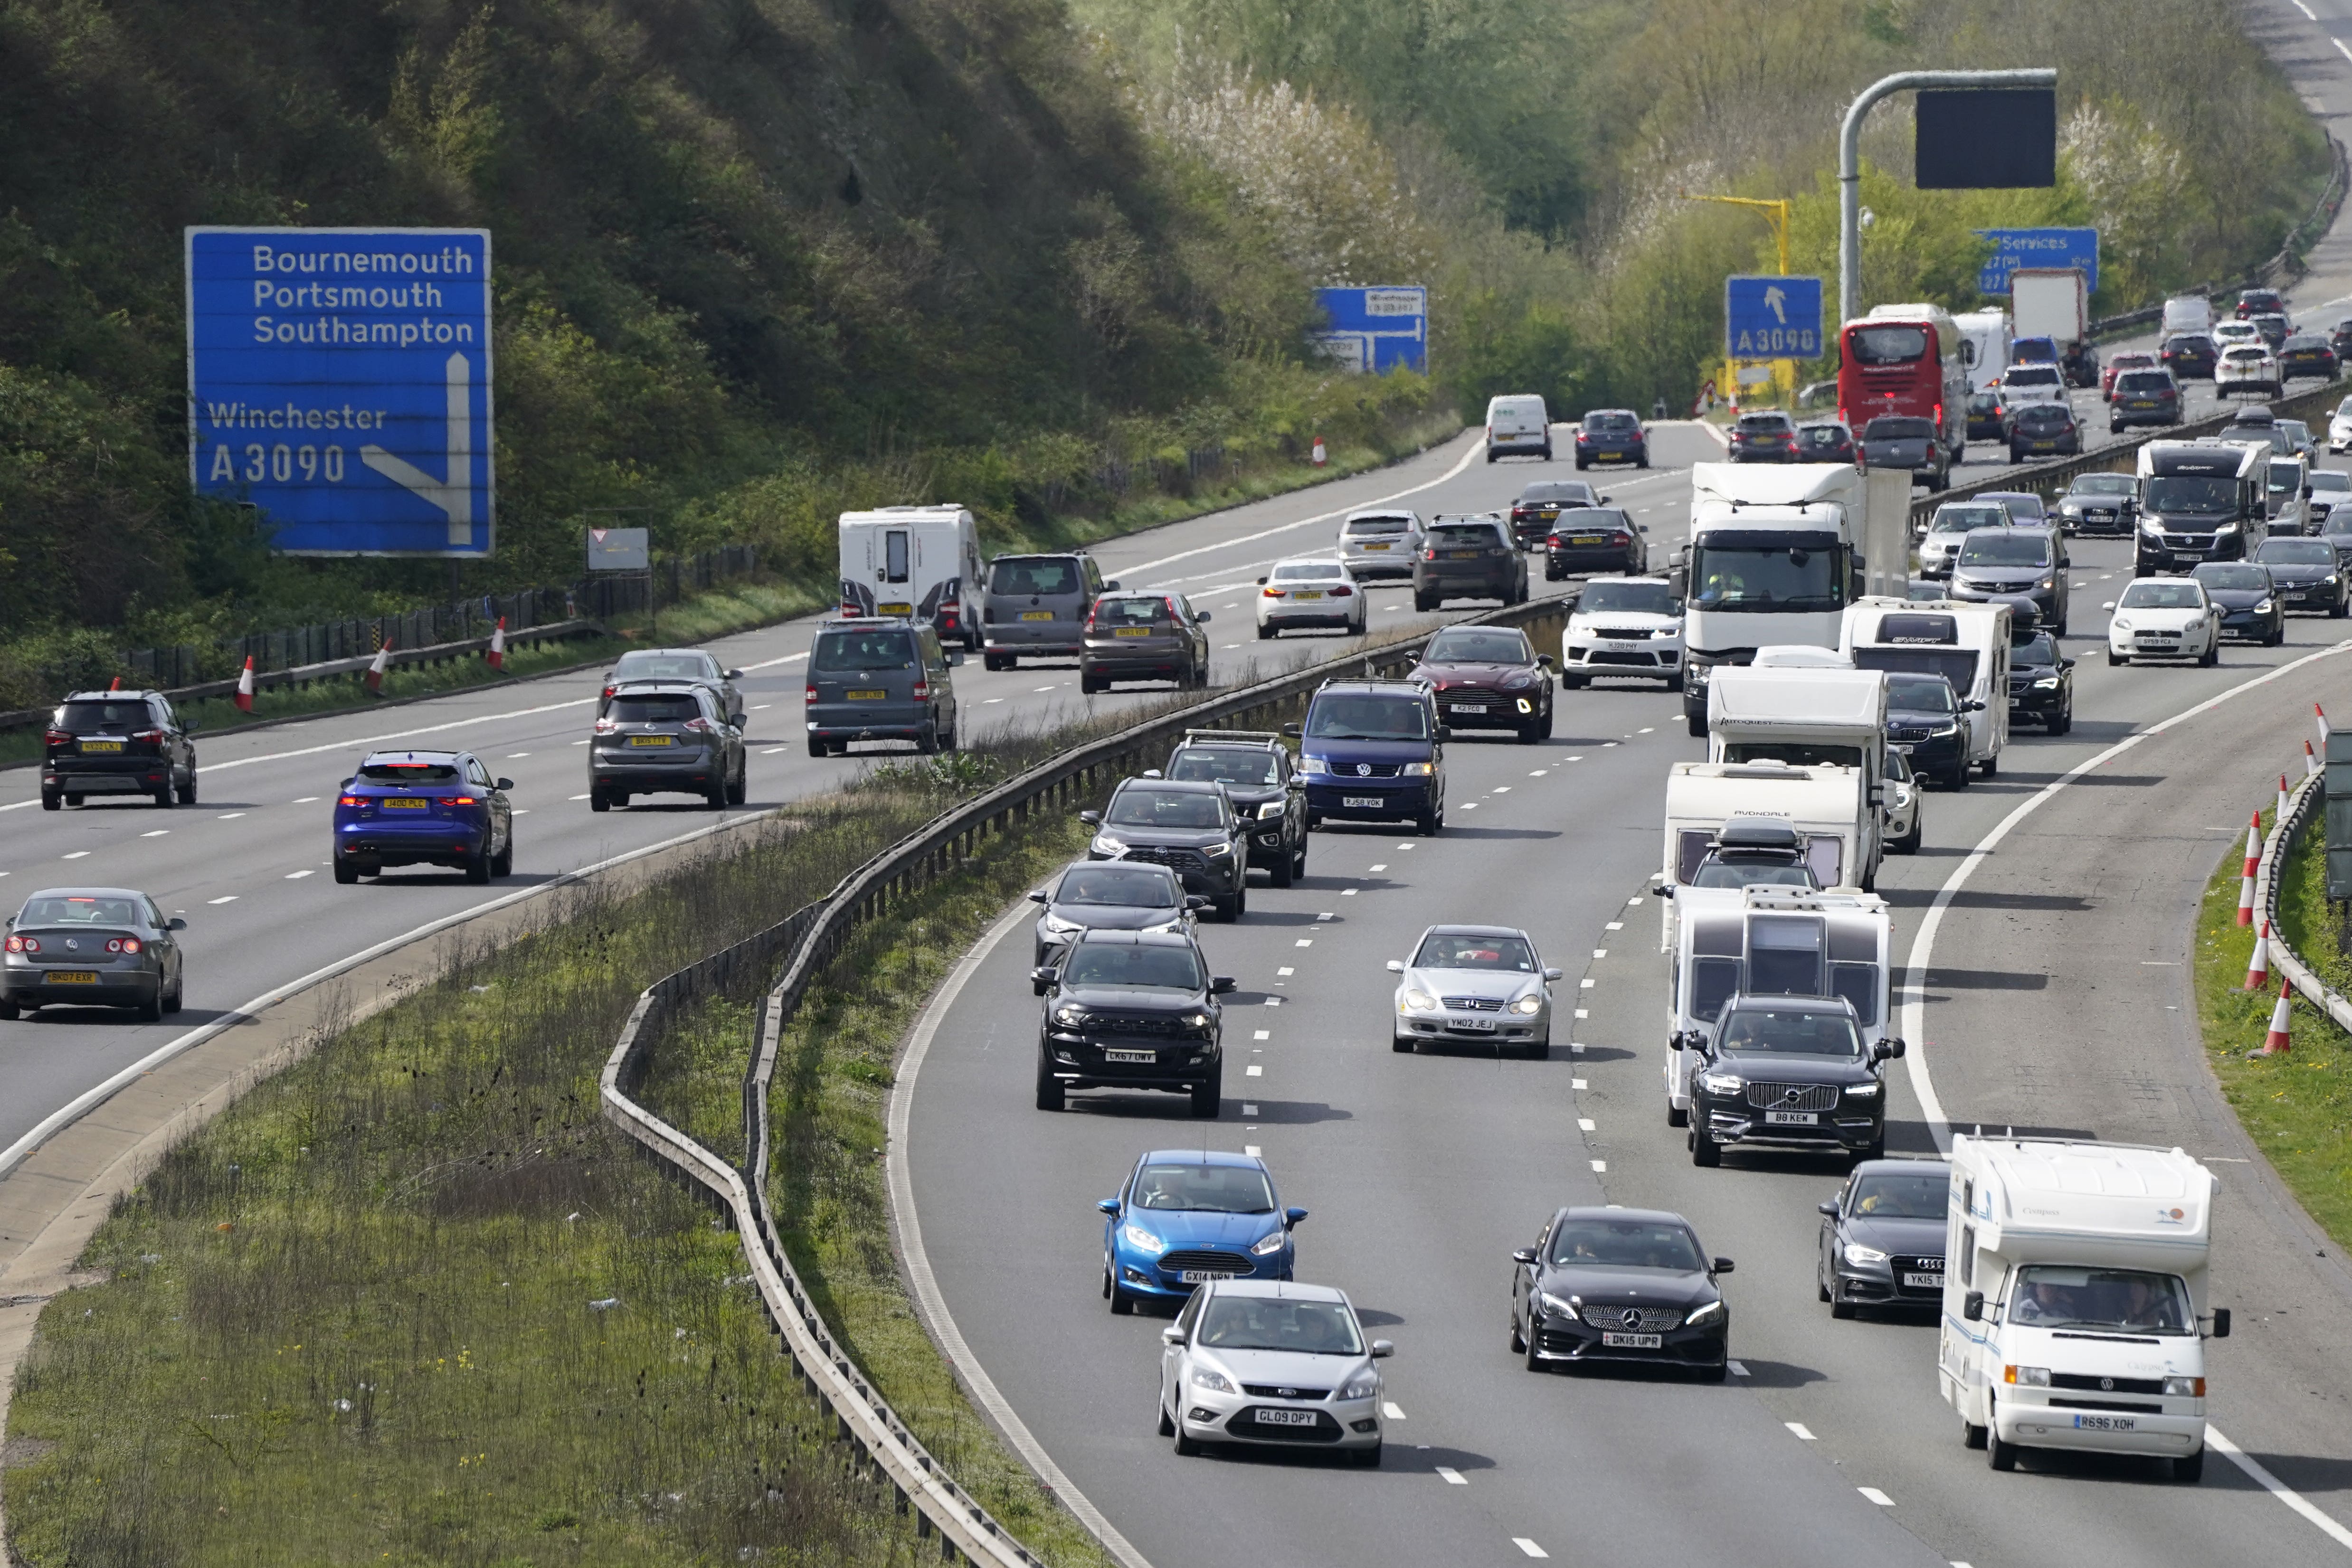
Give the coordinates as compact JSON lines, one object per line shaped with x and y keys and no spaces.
{"x":1788,"y":1072}
{"x":1132,"y":1010}
{"x":2042,"y":679}
{"x":117,"y":743}
{"x":2190,"y":356}
{"x":1267,"y":791}
{"x":1472,"y":557}
{"x":1188,"y":826}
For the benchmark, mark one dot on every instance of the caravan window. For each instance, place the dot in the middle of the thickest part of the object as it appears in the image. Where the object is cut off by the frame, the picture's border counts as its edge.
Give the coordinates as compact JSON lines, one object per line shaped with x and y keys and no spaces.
{"x":1713,"y":981}
{"x":1857,"y":983}
{"x":1827,"y":857}
{"x":1784,"y":956}
{"x":894,"y":555}
{"x":1796,"y":753}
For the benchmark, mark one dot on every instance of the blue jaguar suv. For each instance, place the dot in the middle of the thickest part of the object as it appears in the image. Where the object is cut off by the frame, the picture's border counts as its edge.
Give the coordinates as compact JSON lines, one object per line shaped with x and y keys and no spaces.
{"x":1188,"y":1216}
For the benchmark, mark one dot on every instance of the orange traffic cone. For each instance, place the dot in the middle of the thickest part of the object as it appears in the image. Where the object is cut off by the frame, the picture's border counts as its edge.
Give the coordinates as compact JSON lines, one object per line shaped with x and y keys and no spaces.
{"x":2319,"y":717}
{"x":115,"y":684}
{"x":375,"y":670}
{"x":2257,"y":967}
{"x":2277,"y":1042}
{"x":245,"y":687}
{"x":498,"y":654}
{"x":2254,"y":858}
{"x":2310,"y":761}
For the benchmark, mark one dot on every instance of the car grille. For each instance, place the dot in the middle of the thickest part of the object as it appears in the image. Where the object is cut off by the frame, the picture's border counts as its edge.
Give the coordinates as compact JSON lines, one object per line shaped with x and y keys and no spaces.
{"x":2098,"y":514}
{"x":1473,"y":1004}
{"x":1902,"y":1266}
{"x":1175,"y":860}
{"x":2187,"y":542}
{"x":1648,"y":1320}
{"x":1275,"y":1391}
{"x":1207,"y":1259}
{"x":1612,"y":656}
{"x":1793,"y":1096}
{"x":1623,"y":633}
{"x":2107,"y":1384}
{"x":2107,"y":1404}
{"x":1245,"y":1424}
{"x":1134,"y":1023}
{"x":1906,"y":734}
{"x":1342,"y":771}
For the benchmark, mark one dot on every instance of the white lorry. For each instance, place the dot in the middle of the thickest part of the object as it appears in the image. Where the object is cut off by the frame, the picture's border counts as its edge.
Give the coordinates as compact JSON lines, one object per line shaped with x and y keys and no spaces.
{"x":1967,"y":644}
{"x":1777,"y":553}
{"x":2074,"y":1299}
{"x":2052,"y":302}
{"x":1770,"y":941}
{"x":921,"y":562}
{"x":1833,"y":809}
{"x":1984,"y":345}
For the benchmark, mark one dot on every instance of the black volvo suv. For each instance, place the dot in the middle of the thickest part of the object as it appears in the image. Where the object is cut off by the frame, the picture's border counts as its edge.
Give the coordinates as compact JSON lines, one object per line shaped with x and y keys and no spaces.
{"x":1132,"y":1010}
{"x":1789,"y":1073}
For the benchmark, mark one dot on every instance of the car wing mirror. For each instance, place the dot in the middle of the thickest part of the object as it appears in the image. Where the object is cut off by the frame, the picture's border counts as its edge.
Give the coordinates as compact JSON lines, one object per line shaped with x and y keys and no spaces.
{"x":1544,"y":660}
{"x":2220,"y":1323}
{"x":734,"y":674}
{"x":1677,"y":1041}
{"x":1197,"y":901}
{"x":1396,"y":966}
{"x":1552,"y":974}
{"x":1221,"y":984}
{"x":506,"y":784}
{"x":1722,"y":1266}
{"x":2065,"y":664}
{"x":1524,"y":1255}
{"x":1291,"y":1217}
{"x":1153,"y":773}
{"x":1443,"y":733}
{"x":1046,"y":975}
{"x":1108,"y":1205}
{"x":174,"y":924}
{"x":2110,"y":604}
{"x":1111,"y":587}
{"x":1827,"y":1205}
{"x":1091,"y":818}
{"x":190,"y":726}
{"x":1972,"y":1306}
{"x":1383,"y":1350}
{"x":1261,"y":582}
{"x":1202,"y":616}
{"x":1641,"y":528}
{"x":1038,"y":896}
{"x":1894,"y":1048}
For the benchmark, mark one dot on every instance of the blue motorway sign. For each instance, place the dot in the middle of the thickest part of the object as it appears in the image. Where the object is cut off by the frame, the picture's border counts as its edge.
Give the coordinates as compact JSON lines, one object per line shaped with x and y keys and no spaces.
{"x":2013,"y":248}
{"x":1772,"y":317}
{"x":1377,"y":330}
{"x":339,"y":379}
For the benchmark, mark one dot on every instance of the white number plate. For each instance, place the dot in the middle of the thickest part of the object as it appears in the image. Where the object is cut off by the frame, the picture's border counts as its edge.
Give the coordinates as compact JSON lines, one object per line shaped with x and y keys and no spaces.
{"x":1478,"y":1026}
{"x":1362,"y":802}
{"x":2104,"y":1423}
{"x":1626,"y":647}
{"x":1467,"y":707}
{"x":1286,"y":1417}
{"x":1633,"y":1342}
{"x":1204,"y":1276}
{"x":1131,"y":1056}
{"x":1923,"y":1281}
{"x":1792,"y":1118}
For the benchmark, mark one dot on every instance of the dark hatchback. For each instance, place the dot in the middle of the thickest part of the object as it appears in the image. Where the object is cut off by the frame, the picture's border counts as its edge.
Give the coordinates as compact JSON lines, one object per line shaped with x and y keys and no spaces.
{"x":2049,"y":428}
{"x":1189,"y":827}
{"x":2251,"y":604}
{"x":2190,"y":356}
{"x":2041,"y":684}
{"x":1373,"y":751}
{"x":1895,"y":442}
{"x":666,"y":738}
{"x":1789,"y":1072}
{"x":2340,"y":339}
{"x":117,"y":743}
{"x":2100,"y":503}
{"x":2305,"y":354}
{"x":1134,"y":636}
{"x":92,"y":946}
{"x":2252,"y":302}
{"x":1923,"y":713}
{"x":2336,"y":529}
{"x":1598,"y":538}
{"x":424,"y":807}
{"x":1626,"y":1285}
{"x":1882,"y":1242}
{"x":1826,"y":440}
{"x":1132,"y":1010}
{"x":1987,"y":416}
{"x":1107,"y":895}
{"x":1539,"y":506}
{"x":2307,"y":575}
{"x":1267,"y":791}
{"x":1469,"y":557}
{"x":1488,"y":677}
{"x":1612,"y":435}
{"x":1764,"y":438}
{"x":2143,"y":397}
{"x":2274,"y":329}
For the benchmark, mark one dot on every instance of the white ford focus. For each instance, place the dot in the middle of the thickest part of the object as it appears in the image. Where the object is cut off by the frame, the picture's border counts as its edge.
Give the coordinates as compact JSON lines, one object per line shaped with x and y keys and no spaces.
{"x":2165,"y":618}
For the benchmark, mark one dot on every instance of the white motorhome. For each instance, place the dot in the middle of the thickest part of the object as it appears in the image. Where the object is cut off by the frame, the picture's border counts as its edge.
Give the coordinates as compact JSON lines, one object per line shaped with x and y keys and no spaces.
{"x":1771,"y":941}
{"x":2074,"y":1296}
{"x":922,"y":562}
{"x":1967,"y":644}
{"x":1777,"y":553}
{"x":1831,"y":808}
{"x":1984,"y":345}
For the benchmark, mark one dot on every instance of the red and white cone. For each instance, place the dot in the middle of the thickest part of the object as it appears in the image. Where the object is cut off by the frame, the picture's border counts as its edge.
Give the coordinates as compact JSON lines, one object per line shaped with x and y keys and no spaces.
{"x":2277,"y":1042}
{"x":115,"y":684}
{"x":2282,"y":800}
{"x":2319,"y":717}
{"x":498,"y":654}
{"x":245,"y":687}
{"x":2254,"y":845}
{"x":1321,"y":457}
{"x":2310,"y":761}
{"x":2257,"y":967}
{"x":376,"y":667}
{"x":2246,"y":886}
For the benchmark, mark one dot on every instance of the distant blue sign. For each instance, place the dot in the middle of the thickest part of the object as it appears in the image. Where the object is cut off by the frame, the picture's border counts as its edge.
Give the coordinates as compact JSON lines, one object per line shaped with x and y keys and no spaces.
{"x":1377,"y":330}
{"x":340,"y":381}
{"x":2013,"y":248}
{"x":1772,"y":317}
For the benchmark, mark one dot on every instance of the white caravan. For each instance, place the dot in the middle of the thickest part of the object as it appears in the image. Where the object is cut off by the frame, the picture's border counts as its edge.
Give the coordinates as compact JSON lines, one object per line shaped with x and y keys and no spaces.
{"x":1967,"y":644}
{"x":1984,"y":345}
{"x":1808,"y":717}
{"x":1831,"y":808}
{"x":2075,"y":1295}
{"x":922,"y":562}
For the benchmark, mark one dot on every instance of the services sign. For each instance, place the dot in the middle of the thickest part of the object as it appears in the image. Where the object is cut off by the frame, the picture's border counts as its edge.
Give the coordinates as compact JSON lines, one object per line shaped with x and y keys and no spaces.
{"x":1772,"y":317}
{"x":2013,"y":248}
{"x":339,"y":379}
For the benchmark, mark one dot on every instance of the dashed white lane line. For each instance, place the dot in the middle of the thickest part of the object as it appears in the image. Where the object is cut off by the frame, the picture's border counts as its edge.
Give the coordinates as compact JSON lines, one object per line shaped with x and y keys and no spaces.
{"x":1329,"y":915}
{"x":1451,"y":1476}
{"x":1383,"y":866}
{"x":1873,"y":1494}
{"x":513,"y":755}
{"x":1286,"y":970}
{"x":1601,"y":1167}
{"x":154,"y":832}
{"x":1347,"y":892}
{"x":1254,"y":1070}
{"x":298,"y":875}
{"x":1529,"y":1547}
{"x":1616,"y":925}
{"x":1586,"y":984}
{"x":1583,"y":1123}
{"x":1601,"y":952}
{"x":1738,"y":1368}
{"x":1571,"y":760}
{"x":1249,"y":1109}
{"x":762,"y":707}
{"x":1469,"y":805}
{"x":1250,"y":1149}
{"x":1649,"y":730}
{"x":228,"y":816}
{"x":1044,"y":688}
{"x":991,"y":702}
{"x":1393,"y":1410}
{"x":1502,"y":789}
{"x":1266,"y":1034}
{"x":579,"y":743}
{"x":580,"y":797}
{"x":225,"y":898}
{"x":2342,"y":47}
{"x":1541,"y":773}
{"x":74,"y":854}
{"x":1804,"y":1433}
{"x":764,"y":751}
{"x":304,"y":800}
{"x":1404,"y":846}
{"x":1576,"y":1083}
{"x":1305,"y":942}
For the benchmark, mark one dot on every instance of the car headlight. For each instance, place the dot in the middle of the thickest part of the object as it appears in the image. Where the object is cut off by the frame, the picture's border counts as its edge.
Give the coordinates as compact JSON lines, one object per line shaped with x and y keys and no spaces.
{"x":1213,"y":850}
{"x":1268,"y":1245}
{"x":1363,"y":1386}
{"x":2026,"y":1376}
{"x":1194,"y":1020}
{"x":2185,"y":1387}
{"x":1953,"y":728}
{"x":1165,"y":926}
{"x":1417,"y":770}
{"x":2264,"y":607}
{"x":2120,"y":624}
{"x":1862,"y":1091}
{"x":2225,"y":529}
{"x":1060,"y":926}
{"x":1561,"y":1307}
{"x":1531,"y":1003}
{"x":1070,"y":1018}
{"x":2327,"y":581}
{"x":1105,"y":844}
{"x":1863,"y":1256}
{"x":1710,"y":1313}
{"x":1417,"y":1001}
{"x":2047,"y":584}
{"x":1215,"y":1381}
{"x":1142,"y":1240}
{"x":1313,"y":765}
{"x":2046,"y":684}
{"x":1270,"y":809}
{"x":1719,"y":1083}
{"x":2151,"y":526}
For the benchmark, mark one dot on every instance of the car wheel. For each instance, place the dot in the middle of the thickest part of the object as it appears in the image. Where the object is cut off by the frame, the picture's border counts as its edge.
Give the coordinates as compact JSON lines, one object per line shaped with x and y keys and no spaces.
{"x":1424,"y":601}
{"x":1518,"y":1340}
{"x":1090,"y":684}
{"x":1426,"y":824}
{"x":927,"y":743}
{"x":1185,"y":1446}
{"x":163,"y":795}
{"x":478,"y":869}
{"x":2115,"y":658}
{"x":2277,"y":637}
{"x":1971,"y":1435}
{"x":52,"y":801}
{"x":1167,"y":1426}
{"x":1553,"y":573}
{"x":1209,"y":1098}
{"x":1715,"y":1374}
{"x":9,"y":1010}
{"x":2190,"y":1470}
{"x":1574,"y":680}
{"x":1998,"y":1455}
{"x":152,"y":1009}
{"x":1299,"y":868}
{"x":1550,"y":714}
{"x":1529,"y":1357}
{"x":1958,"y":778}
{"x":1531,"y":731}
{"x":1050,"y":1093}
{"x":178,"y":996}
{"x":1538,"y":1049}
{"x":1122,"y":1305}
{"x":1704,"y":1151}
{"x":2211,"y":657}
{"x":1992,"y":766}
{"x":740,"y":791}
{"x":1402,"y":1044}
{"x":2336,"y":613}
{"x":188,"y":791}
{"x":1696,"y":723}
{"x":1225,"y":907}
{"x":502,"y":863}
{"x":1285,"y":869}
{"x":2066,"y":719}
{"x":346,"y":872}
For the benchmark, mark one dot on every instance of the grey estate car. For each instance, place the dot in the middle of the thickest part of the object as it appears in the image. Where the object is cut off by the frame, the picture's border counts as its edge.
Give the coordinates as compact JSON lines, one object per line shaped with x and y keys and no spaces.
{"x":1470,"y":556}
{"x":666,"y":738}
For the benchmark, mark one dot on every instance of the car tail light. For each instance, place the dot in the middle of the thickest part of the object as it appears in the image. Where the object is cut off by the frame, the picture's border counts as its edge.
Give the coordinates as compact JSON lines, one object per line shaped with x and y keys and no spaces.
{"x":24,"y":944}
{"x":922,"y":690}
{"x":1620,"y":537}
{"x":351,"y":800}
{"x":1276,"y":593}
{"x":456,"y":799}
{"x":608,"y":727}
{"x":700,"y":726}
{"x":60,"y":737}
{"x":123,"y":944}
{"x":1429,"y":555}
{"x":1343,"y":591}
{"x":811,"y":696}
{"x":1553,"y":540}
{"x":608,"y":691}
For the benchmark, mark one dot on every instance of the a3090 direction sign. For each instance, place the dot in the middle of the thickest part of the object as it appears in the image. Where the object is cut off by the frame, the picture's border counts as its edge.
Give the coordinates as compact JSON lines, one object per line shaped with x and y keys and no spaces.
{"x":340,"y":381}
{"x":1772,"y":317}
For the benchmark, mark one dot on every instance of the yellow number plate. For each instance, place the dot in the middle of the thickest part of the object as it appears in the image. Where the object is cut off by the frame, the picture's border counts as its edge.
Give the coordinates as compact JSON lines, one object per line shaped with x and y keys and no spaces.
{"x":1037,"y":615}
{"x":91,"y":746}
{"x":1131,"y":631}
{"x":649,"y":740}
{"x":1587,"y":540}
{"x":866,"y":697}
{"x":1463,"y":555}
{"x":399,"y":803}
{"x":1307,"y":593}
{"x":1376,"y":547}
{"x":70,"y":977}
{"x":894,"y":609}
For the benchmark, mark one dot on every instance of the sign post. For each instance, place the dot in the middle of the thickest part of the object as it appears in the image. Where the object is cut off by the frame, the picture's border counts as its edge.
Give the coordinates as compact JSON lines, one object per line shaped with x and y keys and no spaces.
{"x":1377,"y":330}
{"x":339,"y":380}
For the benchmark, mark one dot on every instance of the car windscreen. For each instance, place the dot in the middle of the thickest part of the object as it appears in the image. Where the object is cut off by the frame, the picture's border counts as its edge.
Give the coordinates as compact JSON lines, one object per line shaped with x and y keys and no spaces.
{"x":2154,"y":595}
{"x":671,"y":707}
{"x":2235,"y":575}
{"x":2295,"y":552}
{"x":1148,"y":808}
{"x":1960,"y":519}
{"x":1886,"y":345}
{"x":1274,"y":1323}
{"x":103,"y":718}
{"x":1824,"y":435}
{"x":1367,"y":718}
{"x":1914,"y":695}
{"x":1226,"y":765}
{"x":2330,"y":479}
{"x":1127,"y":965}
{"x":1627,"y":599}
{"x":1463,"y":536}
{"x":2103,"y":484}
{"x":1377,"y":528}
{"x":2005,"y":550}
{"x":1477,"y":647}
{"x":375,"y":772}
{"x":662,"y":667}
{"x":1309,"y":571}
{"x":1766,"y":576}
{"x":1625,"y":1244}
{"x":1957,"y":665}
{"x":77,"y":910}
{"x":1797,"y":1032}
{"x":1573,"y":491}
{"x":2043,"y":350}
{"x":1216,"y":1189}
{"x":2030,"y":376}
{"x":1714,"y":872}
{"x":1038,"y":577}
{"x":2190,"y":494}
{"x":2287,"y":478}
{"x":1151,"y":611}
{"x":2033,"y":648}
{"x":2110,"y":1300}
{"x":1114,"y":886}
{"x":1454,"y":950}
{"x":1888,"y":427}
{"x":1900,"y":1194}
{"x":879,"y":649}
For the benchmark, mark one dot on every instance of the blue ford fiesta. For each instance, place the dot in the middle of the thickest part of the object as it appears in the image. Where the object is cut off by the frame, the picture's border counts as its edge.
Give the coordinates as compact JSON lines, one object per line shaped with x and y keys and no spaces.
{"x":1188,"y":1216}
{"x":424,"y":807}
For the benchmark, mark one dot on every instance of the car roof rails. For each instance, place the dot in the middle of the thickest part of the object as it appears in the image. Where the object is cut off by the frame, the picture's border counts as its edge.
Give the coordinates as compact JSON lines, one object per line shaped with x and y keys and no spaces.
{"x":1250,"y":738}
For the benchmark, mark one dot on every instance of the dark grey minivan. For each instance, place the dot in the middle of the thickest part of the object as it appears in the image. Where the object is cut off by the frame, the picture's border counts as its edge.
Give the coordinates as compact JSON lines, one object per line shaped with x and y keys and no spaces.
{"x":883,"y":679}
{"x":1037,"y":605}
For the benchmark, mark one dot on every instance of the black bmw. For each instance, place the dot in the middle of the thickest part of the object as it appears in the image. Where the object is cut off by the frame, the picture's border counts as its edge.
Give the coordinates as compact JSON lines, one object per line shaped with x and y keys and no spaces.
{"x":1619,"y":1285}
{"x":1881,"y":1239}
{"x":1789,"y":1073}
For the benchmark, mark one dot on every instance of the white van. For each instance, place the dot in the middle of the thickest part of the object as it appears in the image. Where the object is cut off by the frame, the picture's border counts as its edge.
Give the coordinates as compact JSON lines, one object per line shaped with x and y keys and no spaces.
{"x":1984,"y":345}
{"x":920,"y":562}
{"x":1517,"y":423}
{"x":2187,"y":313}
{"x":2074,"y":1299}
{"x":1967,"y":644}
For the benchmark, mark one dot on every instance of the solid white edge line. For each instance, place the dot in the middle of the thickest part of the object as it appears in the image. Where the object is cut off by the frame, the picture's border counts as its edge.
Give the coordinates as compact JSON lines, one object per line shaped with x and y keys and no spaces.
{"x":89,"y":1099}
{"x":2277,"y":1488}
{"x":925,"y":1284}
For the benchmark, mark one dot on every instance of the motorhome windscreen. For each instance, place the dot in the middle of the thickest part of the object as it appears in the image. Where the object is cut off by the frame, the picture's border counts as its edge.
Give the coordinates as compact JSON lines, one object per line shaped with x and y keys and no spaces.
{"x":1796,"y":753}
{"x":1767,"y":571}
{"x":2190,"y":494}
{"x":2101,"y":1301}
{"x":1957,"y":665}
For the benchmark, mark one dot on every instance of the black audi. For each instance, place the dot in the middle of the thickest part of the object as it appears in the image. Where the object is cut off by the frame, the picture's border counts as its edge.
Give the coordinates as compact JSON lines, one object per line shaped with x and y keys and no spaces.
{"x":1619,"y":1285}
{"x":2041,"y":682}
{"x":1788,"y":1072}
{"x":2100,"y":503}
{"x":2252,"y":606}
{"x":1883,"y":1237}
{"x":1188,"y":826}
{"x":1132,"y":1010}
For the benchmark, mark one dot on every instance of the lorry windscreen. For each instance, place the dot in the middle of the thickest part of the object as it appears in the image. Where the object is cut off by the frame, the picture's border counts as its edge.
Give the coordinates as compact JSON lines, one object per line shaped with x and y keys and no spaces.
{"x":1796,"y":753}
{"x":2113,"y":1300}
{"x":1957,"y":665}
{"x":1768,"y":572}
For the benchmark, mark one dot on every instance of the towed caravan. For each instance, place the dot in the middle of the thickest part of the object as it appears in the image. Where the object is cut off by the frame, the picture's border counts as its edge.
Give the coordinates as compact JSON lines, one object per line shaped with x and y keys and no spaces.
{"x":1967,"y":644}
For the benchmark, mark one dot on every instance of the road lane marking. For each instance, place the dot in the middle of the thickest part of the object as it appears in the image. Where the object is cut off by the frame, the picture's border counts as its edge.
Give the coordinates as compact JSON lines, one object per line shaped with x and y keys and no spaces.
{"x":1502,"y":789}
{"x":1601,"y":952}
{"x":1393,"y":1410}
{"x":1254,"y":1070}
{"x":154,"y":832}
{"x":303,"y":800}
{"x":1600,"y":1167}
{"x":1383,"y":866}
{"x":2270,"y":1483}
{"x":1248,"y":1109}
{"x":1576,"y":1083}
{"x":1529,"y":1547}
{"x":1305,"y":942}
{"x":74,"y":854}
{"x":228,"y":817}
{"x":1329,"y":915}
{"x":1875,"y":1495}
{"x":1738,"y":1368}
{"x":768,"y":751}
{"x":1616,"y":925}
{"x":298,"y":875}
{"x":1583,"y":1123}
{"x":225,"y":898}
{"x":1585,"y":984}
{"x":1266,"y":1034}
{"x":1347,"y":892}
{"x":1469,"y":805}
{"x":1249,"y":1149}
{"x":1804,"y":1434}
{"x":762,"y":707}
{"x":1451,"y":1476}
{"x":512,"y":756}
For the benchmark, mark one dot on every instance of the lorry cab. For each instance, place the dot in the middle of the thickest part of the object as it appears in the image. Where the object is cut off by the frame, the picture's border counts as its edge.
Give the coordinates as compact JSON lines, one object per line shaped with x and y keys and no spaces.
{"x":1967,"y":644}
{"x":921,"y":563}
{"x":2074,"y":1299}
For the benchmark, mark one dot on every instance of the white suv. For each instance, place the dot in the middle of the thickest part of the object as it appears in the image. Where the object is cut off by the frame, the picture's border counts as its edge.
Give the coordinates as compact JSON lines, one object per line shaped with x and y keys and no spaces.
{"x":1624,"y":626}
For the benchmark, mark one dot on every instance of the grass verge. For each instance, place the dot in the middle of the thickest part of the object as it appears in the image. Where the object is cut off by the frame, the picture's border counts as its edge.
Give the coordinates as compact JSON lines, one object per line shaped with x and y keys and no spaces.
{"x":2297,"y":1108}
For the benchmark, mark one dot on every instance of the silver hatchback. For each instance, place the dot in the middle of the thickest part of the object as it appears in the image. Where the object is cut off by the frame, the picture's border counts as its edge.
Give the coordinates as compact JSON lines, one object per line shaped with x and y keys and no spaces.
{"x":1379,"y":543}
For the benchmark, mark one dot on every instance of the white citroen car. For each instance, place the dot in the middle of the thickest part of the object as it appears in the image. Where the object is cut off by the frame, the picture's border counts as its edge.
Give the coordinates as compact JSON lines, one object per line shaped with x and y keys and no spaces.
{"x":2165,"y":618}
{"x":1473,"y":985}
{"x":1624,"y":626}
{"x":1264,"y":1361}
{"x":1316,"y":592}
